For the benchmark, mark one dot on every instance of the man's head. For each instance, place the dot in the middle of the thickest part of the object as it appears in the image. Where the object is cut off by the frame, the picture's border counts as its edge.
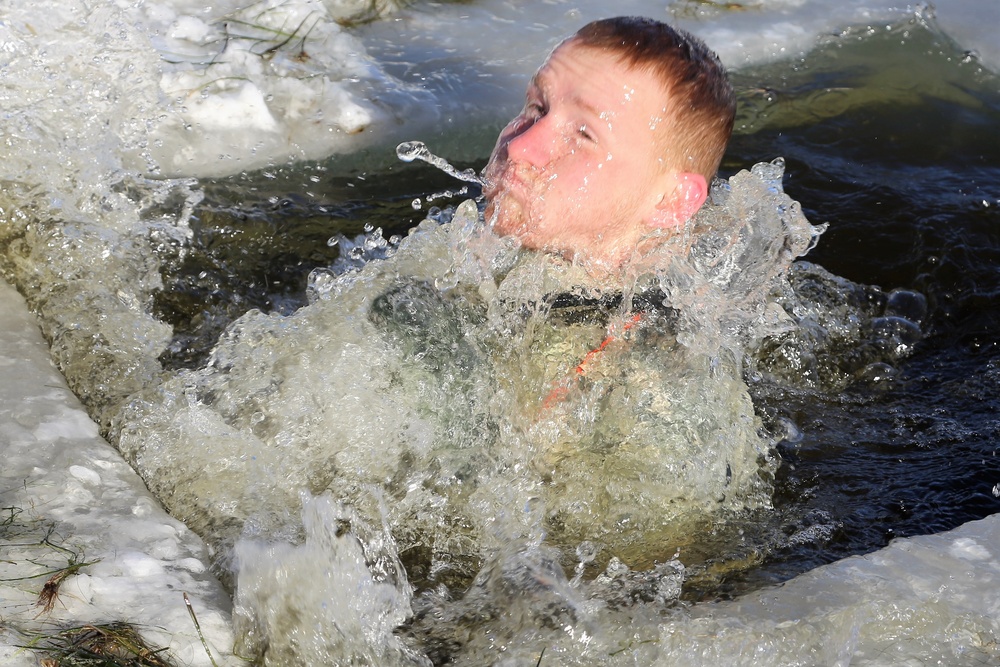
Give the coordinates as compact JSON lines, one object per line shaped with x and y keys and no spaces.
{"x":623,"y":127}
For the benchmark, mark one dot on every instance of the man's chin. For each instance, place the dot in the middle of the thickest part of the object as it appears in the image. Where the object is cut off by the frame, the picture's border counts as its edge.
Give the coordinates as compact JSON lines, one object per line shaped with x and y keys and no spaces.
{"x":504,"y":216}
{"x":507,"y":225}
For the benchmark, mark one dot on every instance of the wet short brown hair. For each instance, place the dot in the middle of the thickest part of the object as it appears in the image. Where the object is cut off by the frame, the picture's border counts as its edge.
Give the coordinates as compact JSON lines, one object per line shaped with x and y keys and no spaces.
{"x":702,"y":104}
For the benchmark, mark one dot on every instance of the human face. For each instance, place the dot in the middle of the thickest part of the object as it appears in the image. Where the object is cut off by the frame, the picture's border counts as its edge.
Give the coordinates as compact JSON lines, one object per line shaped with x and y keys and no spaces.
{"x":578,"y":172}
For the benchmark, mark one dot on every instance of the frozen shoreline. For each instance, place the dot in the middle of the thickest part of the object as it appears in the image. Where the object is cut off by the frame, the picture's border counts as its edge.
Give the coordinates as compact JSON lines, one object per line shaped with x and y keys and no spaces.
{"x":933,"y":594}
{"x":59,"y":474}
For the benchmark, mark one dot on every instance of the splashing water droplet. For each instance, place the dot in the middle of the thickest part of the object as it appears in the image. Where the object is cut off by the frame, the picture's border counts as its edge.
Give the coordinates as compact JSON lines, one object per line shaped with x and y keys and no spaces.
{"x":408,"y":151}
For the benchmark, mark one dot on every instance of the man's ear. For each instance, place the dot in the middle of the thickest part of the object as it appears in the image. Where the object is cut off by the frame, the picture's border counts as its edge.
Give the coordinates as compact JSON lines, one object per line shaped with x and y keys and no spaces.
{"x":683,"y":201}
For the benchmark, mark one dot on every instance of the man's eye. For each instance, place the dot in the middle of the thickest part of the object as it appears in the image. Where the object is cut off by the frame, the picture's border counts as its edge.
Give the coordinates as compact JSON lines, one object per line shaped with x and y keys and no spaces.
{"x":534,"y":110}
{"x":584,"y":132}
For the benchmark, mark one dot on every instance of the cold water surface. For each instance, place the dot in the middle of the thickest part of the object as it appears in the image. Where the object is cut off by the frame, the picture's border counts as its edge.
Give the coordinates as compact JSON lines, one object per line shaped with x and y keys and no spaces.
{"x":897,"y":149}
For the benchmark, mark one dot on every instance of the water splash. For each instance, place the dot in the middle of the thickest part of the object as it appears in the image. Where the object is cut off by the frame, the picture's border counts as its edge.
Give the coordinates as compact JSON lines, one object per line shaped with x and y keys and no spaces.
{"x":351,"y":622}
{"x":408,"y":151}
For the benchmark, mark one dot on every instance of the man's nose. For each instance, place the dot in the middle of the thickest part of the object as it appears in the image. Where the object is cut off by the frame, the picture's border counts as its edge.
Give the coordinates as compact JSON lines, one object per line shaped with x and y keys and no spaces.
{"x":533,"y":142}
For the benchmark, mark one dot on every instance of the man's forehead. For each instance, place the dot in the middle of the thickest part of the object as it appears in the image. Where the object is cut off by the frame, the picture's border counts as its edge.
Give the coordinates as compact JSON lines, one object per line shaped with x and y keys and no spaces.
{"x":599,"y":80}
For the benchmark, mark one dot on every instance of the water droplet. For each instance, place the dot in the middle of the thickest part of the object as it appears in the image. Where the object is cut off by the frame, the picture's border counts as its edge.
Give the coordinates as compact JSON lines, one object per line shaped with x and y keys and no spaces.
{"x":320,"y":285}
{"x":586,"y":551}
{"x":416,"y":204}
{"x":408,"y":151}
{"x":969,"y":57}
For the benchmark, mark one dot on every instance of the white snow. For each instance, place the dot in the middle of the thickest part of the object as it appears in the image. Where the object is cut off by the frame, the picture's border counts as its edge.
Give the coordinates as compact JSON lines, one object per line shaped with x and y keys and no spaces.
{"x":66,"y":494}
{"x":925,"y":600}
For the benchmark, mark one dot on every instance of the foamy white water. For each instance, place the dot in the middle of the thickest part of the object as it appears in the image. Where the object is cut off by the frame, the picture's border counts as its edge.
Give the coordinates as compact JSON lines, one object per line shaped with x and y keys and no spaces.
{"x":97,"y":98}
{"x":929,"y":598}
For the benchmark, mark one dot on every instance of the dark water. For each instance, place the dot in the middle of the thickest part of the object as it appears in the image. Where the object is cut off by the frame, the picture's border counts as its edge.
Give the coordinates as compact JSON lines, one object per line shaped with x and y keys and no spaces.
{"x":894,"y":139}
{"x":908,"y":176}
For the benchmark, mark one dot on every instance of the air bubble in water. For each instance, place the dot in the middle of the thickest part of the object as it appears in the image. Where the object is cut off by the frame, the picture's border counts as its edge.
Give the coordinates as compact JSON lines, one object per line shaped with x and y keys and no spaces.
{"x":907,"y":304}
{"x":416,"y":204}
{"x":969,"y":57}
{"x":586,"y":552}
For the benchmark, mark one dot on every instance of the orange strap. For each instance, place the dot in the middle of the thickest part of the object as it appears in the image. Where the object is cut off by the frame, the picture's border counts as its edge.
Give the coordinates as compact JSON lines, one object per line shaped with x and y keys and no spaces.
{"x":561,"y":390}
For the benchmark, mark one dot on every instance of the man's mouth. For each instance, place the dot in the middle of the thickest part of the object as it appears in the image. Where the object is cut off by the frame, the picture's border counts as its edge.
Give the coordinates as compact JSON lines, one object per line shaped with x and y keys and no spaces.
{"x":505,"y":180}
{"x":493,"y":178}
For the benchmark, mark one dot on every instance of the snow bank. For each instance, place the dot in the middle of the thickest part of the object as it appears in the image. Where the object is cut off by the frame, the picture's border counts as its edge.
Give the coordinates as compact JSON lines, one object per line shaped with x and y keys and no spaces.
{"x":68,"y":497}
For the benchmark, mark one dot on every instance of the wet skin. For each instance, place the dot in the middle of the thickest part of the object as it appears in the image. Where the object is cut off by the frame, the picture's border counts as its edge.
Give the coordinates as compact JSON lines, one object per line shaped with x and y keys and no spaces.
{"x":581,"y":170}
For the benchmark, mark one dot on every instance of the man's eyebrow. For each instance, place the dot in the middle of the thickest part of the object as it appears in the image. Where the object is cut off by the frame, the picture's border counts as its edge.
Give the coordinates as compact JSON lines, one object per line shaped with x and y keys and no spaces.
{"x":539,"y":82}
{"x":588,"y":108}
